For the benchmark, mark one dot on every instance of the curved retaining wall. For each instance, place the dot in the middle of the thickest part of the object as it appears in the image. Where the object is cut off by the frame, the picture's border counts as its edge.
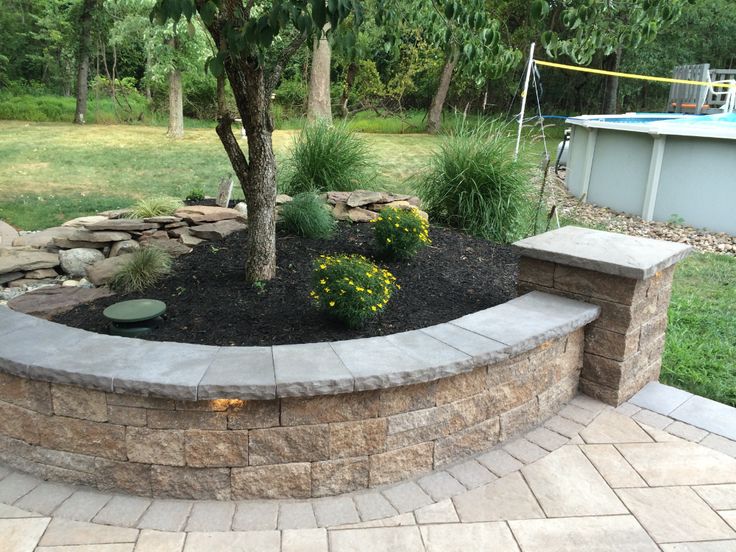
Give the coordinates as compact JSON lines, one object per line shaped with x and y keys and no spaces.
{"x":189,"y":421}
{"x":168,"y":419}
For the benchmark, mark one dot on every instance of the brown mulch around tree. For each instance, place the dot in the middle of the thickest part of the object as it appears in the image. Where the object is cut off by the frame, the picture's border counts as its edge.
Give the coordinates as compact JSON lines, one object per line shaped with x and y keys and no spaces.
{"x":209,"y":303}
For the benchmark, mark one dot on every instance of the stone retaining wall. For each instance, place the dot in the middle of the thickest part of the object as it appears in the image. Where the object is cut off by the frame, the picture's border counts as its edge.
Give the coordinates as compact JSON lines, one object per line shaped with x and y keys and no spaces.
{"x":288,"y":447}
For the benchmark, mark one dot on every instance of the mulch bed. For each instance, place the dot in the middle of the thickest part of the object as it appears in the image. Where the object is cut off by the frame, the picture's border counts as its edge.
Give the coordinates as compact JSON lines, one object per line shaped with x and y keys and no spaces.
{"x":208,"y":302}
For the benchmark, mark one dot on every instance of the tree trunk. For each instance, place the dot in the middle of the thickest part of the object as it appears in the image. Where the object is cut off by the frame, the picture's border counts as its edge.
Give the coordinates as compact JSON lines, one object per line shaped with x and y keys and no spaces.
{"x":319,"y":103}
{"x":349,"y":80}
{"x":434,"y":118}
{"x":176,"y":106}
{"x":610,"y":91}
{"x":85,"y":46}
{"x":257,"y":174}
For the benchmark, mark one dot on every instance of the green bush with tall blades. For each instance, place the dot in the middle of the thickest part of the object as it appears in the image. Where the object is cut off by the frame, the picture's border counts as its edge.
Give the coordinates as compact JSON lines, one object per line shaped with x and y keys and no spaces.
{"x":475,"y":184}
{"x":325,"y":158}
{"x":146,"y":267}
{"x":155,"y":207}
{"x":307,"y":215}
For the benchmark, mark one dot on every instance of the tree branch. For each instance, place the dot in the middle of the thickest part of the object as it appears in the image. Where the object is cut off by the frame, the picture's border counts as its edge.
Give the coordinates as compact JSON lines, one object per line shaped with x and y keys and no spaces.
{"x":278,"y":68}
{"x":230,"y":143}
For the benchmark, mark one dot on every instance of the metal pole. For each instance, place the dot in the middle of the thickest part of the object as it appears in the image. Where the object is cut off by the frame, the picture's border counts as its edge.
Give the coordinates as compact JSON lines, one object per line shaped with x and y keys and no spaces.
{"x":523,"y":99}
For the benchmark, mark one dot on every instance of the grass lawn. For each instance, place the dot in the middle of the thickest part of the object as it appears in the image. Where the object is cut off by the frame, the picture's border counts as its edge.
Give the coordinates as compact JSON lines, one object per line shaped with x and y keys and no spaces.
{"x":51,"y":172}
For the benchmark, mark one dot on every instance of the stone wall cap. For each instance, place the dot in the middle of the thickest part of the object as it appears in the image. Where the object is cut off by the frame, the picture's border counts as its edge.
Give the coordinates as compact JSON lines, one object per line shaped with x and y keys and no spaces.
{"x":607,"y":252}
{"x":42,"y":350}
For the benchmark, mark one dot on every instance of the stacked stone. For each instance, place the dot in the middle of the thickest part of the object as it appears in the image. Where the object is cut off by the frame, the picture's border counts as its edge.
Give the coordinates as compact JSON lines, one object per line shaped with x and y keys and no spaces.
{"x":630,"y":279}
{"x":363,"y":205}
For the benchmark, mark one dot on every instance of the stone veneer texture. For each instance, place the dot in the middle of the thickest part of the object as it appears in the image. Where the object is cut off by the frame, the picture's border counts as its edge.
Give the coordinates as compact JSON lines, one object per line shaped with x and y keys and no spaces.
{"x":283,"y":448}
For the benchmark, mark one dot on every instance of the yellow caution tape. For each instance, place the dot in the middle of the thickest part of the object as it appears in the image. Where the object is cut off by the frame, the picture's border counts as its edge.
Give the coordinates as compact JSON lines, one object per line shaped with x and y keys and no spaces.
{"x":630,"y":75}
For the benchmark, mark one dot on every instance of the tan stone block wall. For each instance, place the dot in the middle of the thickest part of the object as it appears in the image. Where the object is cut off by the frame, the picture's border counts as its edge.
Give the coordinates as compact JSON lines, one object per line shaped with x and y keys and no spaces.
{"x":287,"y":448}
{"x":623,"y":347}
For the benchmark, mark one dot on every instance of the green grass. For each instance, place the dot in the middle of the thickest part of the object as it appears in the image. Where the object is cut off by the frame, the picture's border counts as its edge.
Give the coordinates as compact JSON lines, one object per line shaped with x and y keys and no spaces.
{"x":700,"y":352}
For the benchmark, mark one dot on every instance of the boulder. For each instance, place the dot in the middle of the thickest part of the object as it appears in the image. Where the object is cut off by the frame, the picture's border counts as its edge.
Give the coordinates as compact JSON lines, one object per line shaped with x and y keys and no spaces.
{"x":31,"y":283}
{"x":41,"y":273}
{"x":173,"y":225}
{"x":17,"y":259}
{"x":242,"y":208}
{"x":79,"y":222}
{"x":63,"y":243}
{"x":358,"y":198}
{"x":50,"y":301}
{"x":102,"y":236}
{"x":123,"y":247}
{"x":203,"y":214}
{"x":101,"y":272}
{"x":341,"y":211}
{"x":283,"y":198}
{"x":162,"y":219}
{"x":7,"y":234}
{"x":75,"y":261}
{"x":337,"y":197}
{"x":217,"y":230}
{"x":189,"y":240}
{"x":121,"y":225}
{"x":10,"y":276}
{"x":399,"y":204}
{"x":44,"y":238}
{"x":359,"y":214}
{"x":173,"y":247}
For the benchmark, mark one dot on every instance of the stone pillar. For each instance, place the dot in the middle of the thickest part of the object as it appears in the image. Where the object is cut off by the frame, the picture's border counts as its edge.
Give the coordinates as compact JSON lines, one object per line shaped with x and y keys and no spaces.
{"x":630,"y":278}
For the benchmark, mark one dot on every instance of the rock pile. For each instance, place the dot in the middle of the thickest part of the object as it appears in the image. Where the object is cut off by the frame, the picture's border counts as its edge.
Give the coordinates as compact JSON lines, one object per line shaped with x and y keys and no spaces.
{"x":87,"y":251}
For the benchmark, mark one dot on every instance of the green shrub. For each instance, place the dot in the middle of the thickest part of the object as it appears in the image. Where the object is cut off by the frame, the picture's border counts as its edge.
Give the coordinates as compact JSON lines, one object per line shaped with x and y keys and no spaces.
{"x":474,"y":184}
{"x":400,"y":233}
{"x":195,"y":194}
{"x":306,"y":215}
{"x":325,"y":158}
{"x":350,"y":288}
{"x":146,"y":267}
{"x":155,"y":207}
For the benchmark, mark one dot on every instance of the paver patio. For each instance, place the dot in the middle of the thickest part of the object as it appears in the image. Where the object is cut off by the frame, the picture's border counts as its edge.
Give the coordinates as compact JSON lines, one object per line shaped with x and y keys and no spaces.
{"x":657,"y":473}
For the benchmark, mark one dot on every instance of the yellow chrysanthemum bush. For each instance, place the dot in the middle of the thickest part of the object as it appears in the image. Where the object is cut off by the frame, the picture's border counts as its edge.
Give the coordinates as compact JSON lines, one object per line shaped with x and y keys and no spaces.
{"x":400,"y":233}
{"x":351,"y":288}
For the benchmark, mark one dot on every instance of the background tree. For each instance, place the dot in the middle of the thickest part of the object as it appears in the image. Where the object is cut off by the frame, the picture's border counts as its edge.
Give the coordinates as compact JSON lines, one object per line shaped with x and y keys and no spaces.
{"x":585,"y":29}
{"x":85,"y":47}
{"x":319,"y":100}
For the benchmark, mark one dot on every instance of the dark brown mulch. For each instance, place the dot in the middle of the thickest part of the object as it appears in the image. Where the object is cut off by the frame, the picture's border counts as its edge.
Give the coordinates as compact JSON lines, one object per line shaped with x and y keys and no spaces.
{"x":208,"y":302}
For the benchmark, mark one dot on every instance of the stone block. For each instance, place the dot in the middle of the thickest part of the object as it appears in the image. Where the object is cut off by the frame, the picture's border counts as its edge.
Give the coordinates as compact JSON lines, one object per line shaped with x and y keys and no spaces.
{"x":128,"y":477}
{"x":126,"y":415}
{"x":273,"y":481}
{"x":155,"y":446}
{"x":536,"y":272}
{"x":205,"y":449}
{"x":66,"y":460}
{"x":617,"y":289}
{"x":190,"y":483}
{"x":358,"y":438}
{"x":460,"y":386}
{"x":289,"y":444}
{"x":329,"y":408}
{"x":84,"y":436}
{"x":611,"y":345}
{"x":468,"y":412}
{"x":339,"y":476}
{"x":20,"y":423}
{"x":395,"y":400}
{"x":137,"y":401}
{"x":30,"y":394}
{"x":76,"y":402}
{"x":553,"y":399}
{"x":469,"y":441}
{"x":652,"y":330}
{"x":253,"y":415}
{"x":399,"y":464}
{"x":519,"y":419}
{"x":185,"y":419}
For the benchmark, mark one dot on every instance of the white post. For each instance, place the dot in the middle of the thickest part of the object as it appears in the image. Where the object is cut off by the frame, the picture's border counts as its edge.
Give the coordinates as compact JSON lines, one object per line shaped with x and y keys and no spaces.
{"x":523,"y":99}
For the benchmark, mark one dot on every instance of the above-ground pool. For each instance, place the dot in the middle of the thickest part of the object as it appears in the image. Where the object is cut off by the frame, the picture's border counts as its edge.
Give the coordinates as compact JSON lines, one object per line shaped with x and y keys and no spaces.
{"x":665,"y":167}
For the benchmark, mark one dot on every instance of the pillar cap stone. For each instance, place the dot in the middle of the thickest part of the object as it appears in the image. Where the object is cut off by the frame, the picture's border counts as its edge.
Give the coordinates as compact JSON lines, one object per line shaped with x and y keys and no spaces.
{"x":606,"y":252}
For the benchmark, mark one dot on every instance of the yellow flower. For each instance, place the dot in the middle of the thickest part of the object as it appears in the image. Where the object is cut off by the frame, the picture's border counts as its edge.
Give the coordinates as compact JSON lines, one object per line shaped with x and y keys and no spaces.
{"x":369,"y":291}
{"x":323,"y":281}
{"x":323,"y":266}
{"x":388,"y":240}
{"x":373,"y":308}
{"x":332,"y":303}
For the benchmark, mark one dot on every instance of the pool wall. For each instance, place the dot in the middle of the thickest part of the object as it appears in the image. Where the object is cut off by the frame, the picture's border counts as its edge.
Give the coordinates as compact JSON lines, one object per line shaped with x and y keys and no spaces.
{"x":661,"y":170}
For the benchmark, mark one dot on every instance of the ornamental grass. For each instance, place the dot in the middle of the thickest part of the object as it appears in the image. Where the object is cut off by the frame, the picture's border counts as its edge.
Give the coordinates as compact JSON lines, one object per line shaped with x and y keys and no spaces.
{"x":400,"y":233}
{"x":351,"y":288}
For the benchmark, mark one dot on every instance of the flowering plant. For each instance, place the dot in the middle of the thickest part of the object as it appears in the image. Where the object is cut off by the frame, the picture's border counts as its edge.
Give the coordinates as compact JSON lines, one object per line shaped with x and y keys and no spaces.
{"x":400,"y":233}
{"x":351,"y":288}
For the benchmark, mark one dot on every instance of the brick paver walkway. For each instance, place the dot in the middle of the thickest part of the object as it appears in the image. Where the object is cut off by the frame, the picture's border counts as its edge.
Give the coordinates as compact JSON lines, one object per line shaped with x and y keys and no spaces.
{"x":657,"y":473}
